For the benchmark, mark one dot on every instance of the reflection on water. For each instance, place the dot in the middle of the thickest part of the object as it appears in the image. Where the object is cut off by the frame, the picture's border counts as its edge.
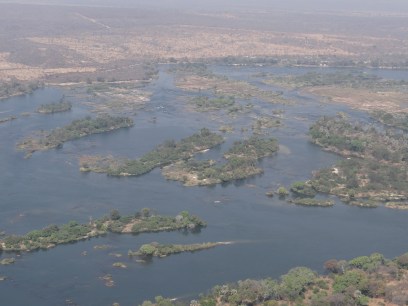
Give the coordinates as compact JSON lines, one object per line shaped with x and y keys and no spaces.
{"x":271,"y":236}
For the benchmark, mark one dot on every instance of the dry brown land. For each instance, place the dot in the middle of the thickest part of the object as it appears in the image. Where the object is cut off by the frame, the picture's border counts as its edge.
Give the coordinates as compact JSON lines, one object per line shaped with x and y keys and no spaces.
{"x":363,"y":99}
{"x":71,"y":43}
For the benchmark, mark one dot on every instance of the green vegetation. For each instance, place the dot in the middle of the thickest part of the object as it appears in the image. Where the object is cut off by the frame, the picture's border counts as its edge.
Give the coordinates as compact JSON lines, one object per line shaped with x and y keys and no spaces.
{"x":52,"y":108}
{"x":142,"y":222}
{"x":397,"y":205}
{"x":339,"y":79}
{"x":199,"y":80}
{"x":312,"y":202}
{"x":163,"y":250}
{"x":376,"y":167}
{"x":303,"y":189}
{"x":205,"y":104}
{"x":15,"y":87}
{"x":76,"y":129}
{"x":397,"y":120}
{"x":365,"y":280}
{"x":265,"y":122}
{"x":163,"y":155}
{"x":7,"y":261}
{"x":241,"y":162}
{"x":115,"y":97}
{"x":282,"y":192}
{"x":119,"y":265}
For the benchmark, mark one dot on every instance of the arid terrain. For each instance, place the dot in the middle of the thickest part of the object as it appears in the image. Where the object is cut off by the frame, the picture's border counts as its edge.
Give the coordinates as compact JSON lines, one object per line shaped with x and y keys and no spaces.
{"x":59,"y":44}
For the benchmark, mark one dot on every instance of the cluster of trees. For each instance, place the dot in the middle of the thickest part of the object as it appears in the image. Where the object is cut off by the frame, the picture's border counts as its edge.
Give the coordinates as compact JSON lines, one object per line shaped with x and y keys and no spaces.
{"x":346,"y":80}
{"x":57,"y":107}
{"x":347,"y":138}
{"x":143,"y":221}
{"x":354,"y":282}
{"x":398,"y":120}
{"x":168,"y":153}
{"x":241,"y":162}
{"x":208,"y":104}
{"x":377,"y":163}
{"x":16,"y":87}
{"x":311,"y":202}
{"x":162,"y":250}
{"x":87,"y":126}
{"x":76,"y":129}
{"x":303,"y":189}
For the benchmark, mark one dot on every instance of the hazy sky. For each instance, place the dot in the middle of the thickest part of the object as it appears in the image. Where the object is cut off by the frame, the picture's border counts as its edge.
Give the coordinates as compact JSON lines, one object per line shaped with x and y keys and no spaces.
{"x":303,"y":5}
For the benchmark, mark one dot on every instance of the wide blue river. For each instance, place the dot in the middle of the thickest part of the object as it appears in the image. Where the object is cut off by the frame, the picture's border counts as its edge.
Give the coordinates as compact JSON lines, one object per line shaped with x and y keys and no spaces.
{"x":270,"y":235}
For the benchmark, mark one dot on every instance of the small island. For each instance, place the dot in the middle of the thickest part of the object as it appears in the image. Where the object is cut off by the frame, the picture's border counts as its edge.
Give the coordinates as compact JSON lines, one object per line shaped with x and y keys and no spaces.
{"x":141,"y":222}
{"x":7,"y":261}
{"x":241,"y":162}
{"x":206,"y":104}
{"x":311,"y":202}
{"x":76,"y":129}
{"x":7,"y":119}
{"x":165,"y":154}
{"x":155,"y":249}
{"x":52,"y":108}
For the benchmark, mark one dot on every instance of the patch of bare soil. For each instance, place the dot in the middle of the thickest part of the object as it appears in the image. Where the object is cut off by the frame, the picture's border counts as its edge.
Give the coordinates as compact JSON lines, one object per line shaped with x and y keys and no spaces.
{"x":363,"y":99}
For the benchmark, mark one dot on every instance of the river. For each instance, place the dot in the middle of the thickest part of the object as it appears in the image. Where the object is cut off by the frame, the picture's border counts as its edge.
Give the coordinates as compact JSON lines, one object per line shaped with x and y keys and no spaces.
{"x":270,"y":235}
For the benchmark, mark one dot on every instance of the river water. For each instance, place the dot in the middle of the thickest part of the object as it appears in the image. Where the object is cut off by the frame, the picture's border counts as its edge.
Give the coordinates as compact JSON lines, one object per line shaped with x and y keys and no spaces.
{"x":270,"y":235}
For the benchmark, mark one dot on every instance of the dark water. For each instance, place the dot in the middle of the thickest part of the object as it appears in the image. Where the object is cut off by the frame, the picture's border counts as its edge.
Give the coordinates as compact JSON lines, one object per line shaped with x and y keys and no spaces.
{"x":271,"y":236}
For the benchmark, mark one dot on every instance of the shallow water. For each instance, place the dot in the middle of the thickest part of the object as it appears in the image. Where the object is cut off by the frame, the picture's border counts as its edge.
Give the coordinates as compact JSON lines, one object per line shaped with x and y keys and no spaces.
{"x":271,"y":236}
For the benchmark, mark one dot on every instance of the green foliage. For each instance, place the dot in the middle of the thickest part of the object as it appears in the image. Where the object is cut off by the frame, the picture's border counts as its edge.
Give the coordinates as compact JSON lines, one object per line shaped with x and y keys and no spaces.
{"x":242,"y":159}
{"x":114,"y":215}
{"x":312,"y":202}
{"x":76,"y":129}
{"x":398,"y":120}
{"x":350,"y":281}
{"x":147,"y":250}
{"x":379,"y":175}
{"x":304,"y":189}
{"x":295,"y":282}
{"x":301,"y":286}
{"x":367,"y":263}
{"x":168,"y":153}
{"x":52,"y":108}
{"x":162,"y":223}
{"x":162,"y":250}
{"x":53,"y":235}
{"x":402,"y":260}
{"x":207,"y":104}
{"x":282,"y":191}
{"x":16,"y":87}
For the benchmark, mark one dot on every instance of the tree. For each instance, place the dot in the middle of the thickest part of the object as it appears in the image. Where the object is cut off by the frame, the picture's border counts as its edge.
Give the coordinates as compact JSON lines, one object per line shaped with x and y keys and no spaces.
{"x":114,"y":215}
{"x":147,"y":250}
{"x":294,"y":283}
{"x":145,"y":212}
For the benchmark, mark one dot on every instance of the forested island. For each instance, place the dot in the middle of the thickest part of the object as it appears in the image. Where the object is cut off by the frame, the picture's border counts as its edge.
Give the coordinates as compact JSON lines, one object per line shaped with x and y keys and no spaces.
{"x":141,"y":222}
{"x":155,"y":249}
{"x":205,"y":104}
{"x":375,"y":168}
{"x":362,"y":281}
{"x":167,"y":153}
{"x":241,"y":162}
{"x":57,"y":107}
{"x":76,"y":129}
